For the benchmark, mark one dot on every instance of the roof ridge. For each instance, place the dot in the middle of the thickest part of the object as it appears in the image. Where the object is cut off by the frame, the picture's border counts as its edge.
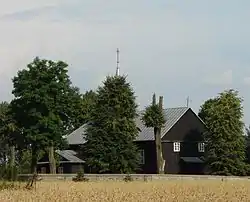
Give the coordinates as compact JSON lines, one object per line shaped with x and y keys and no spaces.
{"x":168,"y":108}
{"x":176,"y":108}
{"x":180,"y":116}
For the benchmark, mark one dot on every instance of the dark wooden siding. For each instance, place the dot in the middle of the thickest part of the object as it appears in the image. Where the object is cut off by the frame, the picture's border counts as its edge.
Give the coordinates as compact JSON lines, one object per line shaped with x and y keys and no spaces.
{"x":188,"y":130}
{"x":171,"y":158}
{"x":150,"y":157}
{"x":67,"y":167}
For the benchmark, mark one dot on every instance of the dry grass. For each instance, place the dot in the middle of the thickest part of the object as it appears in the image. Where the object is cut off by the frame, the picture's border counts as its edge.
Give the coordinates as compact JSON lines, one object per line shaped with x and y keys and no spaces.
{"x":188,"y":190}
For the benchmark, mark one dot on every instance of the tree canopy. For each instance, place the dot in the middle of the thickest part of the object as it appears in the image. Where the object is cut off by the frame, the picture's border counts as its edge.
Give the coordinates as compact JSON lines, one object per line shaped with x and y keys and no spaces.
{"x":225,"y":142}
{"x":153,"y":115}
{"x":112,"y":129}
{"x":88,"y":101}
{"x":45,"y":104}
{"x":248,"y":133}
{"x":4,"y":108}
{"x":3,"y":135}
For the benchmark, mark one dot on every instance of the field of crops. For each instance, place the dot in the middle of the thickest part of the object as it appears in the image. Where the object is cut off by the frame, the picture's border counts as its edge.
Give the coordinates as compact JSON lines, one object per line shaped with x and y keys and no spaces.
{"x":186,"y":190}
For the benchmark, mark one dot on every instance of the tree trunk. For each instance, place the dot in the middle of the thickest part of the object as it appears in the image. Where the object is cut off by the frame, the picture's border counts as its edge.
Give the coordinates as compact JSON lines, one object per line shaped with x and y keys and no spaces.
{"x":161,"y":159}
{"x":34,"y":160}
{"x":160,"y":153}
{"x":157,"y":148}
{"x":12,"y":162}
{"x":6,"y":156}
{"x":52,"y":161}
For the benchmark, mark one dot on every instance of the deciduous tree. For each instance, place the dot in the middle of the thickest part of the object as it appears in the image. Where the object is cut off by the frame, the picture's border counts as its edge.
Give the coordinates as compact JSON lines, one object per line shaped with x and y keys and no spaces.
{"x":45,"y":105}
{"x":88,"y":100}
{"x":225,"y":144}
{"x":3,"y":135}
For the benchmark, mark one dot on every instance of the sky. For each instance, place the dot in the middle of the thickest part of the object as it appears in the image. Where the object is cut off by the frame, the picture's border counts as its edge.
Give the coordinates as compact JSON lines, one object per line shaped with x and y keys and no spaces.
{"x":172,"y":48}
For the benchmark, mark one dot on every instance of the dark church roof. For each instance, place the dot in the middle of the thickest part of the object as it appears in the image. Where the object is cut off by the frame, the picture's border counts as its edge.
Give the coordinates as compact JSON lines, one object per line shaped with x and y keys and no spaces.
{"x":68,"y":155}
{"x":172,"y":116}
{"x":76,"y":137}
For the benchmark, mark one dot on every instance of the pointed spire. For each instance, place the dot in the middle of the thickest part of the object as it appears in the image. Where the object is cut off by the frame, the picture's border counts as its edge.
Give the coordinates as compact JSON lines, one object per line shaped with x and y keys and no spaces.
{"x":117,"y":62}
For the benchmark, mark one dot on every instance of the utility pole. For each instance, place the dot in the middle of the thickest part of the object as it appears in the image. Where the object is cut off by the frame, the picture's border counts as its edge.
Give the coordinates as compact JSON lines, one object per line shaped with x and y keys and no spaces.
{"x":117,"y":62}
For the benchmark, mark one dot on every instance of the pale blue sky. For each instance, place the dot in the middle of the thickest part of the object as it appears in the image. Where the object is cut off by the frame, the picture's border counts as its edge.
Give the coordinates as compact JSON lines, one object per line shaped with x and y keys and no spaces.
{"x":174,"y":48}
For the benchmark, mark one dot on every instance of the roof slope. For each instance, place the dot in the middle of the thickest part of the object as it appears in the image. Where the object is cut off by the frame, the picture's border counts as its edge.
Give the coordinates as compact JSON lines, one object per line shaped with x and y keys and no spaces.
{"x":76,"y":137}
{"x":172,"y":115}
{"x":70,"y":156}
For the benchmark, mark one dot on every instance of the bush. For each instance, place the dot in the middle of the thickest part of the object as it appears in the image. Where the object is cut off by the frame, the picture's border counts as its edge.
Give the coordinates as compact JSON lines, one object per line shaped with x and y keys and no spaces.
{"x":7,"y":173}
{"x":80,"y":177}
{"x":128,"y":178}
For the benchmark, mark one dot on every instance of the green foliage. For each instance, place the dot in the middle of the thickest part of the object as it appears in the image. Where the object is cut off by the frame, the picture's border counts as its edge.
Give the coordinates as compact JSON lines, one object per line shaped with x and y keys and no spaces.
{"x":24,"y":158}
{"x":4,"y":108}
{"x":225,"y":141}
{"x":153,"y":115}
{"x":112,"y":130}
{"x":24,"y":161}
{"x":248,"y":135}
{"x":80,"y":177}
{"x":3,"y":134}
{"x":88,"y":101}
{"x":8,"y":173}
{"x":128,"y":178}
{"x":45,"y":105}
{"x":8,"y":130}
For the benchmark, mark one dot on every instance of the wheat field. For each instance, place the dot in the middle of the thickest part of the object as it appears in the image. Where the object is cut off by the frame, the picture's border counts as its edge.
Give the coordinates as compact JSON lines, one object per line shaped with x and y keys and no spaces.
{"x":173,"y":190}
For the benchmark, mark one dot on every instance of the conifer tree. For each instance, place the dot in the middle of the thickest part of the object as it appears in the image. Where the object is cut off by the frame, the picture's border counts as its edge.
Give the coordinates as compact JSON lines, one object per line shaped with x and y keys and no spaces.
{"x":112,"y":130}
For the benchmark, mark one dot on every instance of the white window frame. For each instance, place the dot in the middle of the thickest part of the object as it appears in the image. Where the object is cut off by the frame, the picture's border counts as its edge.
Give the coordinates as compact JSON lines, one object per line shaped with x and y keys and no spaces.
{"x":201,"y":147}
{"x":141,"y":157}
{"x":177,"y":146}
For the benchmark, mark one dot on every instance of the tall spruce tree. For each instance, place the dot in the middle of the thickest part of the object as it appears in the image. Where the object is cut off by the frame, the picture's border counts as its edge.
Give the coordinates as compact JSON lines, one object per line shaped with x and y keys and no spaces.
{"x":112,"y":129}
{"x":225,"y":137}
